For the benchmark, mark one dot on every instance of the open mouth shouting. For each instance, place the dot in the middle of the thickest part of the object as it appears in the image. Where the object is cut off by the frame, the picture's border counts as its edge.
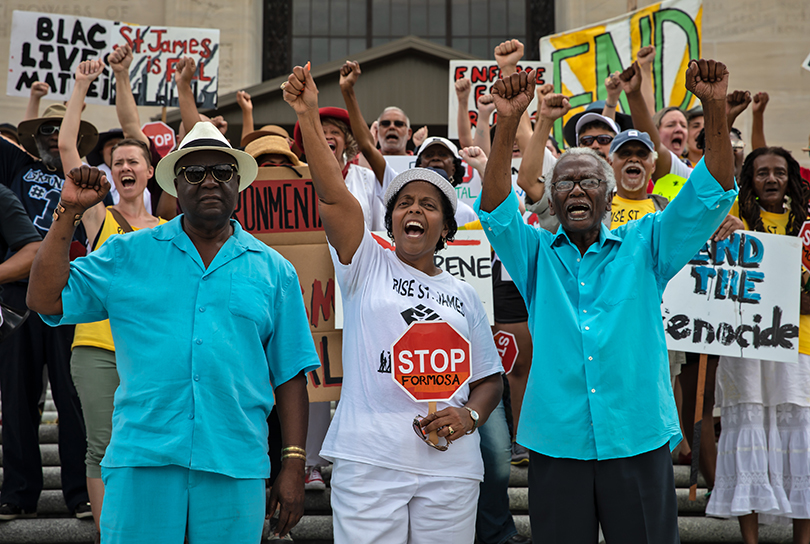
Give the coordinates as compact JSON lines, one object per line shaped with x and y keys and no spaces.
{"x":578,"y":210}
{"x":633,"y":176}
{"x":414,"y":229}
{"x":127,"y":180}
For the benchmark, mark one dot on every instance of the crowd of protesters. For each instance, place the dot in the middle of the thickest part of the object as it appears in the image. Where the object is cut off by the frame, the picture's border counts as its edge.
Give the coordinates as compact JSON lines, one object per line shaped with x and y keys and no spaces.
{"x":176,"y":345}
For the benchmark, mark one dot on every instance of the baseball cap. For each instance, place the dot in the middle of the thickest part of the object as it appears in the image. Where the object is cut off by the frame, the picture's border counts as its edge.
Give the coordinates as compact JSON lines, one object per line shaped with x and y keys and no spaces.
{"x":630,"y":136}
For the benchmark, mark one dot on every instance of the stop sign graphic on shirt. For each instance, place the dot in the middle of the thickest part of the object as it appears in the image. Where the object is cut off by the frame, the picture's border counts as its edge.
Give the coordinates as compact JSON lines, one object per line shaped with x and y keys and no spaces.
{"x":163,"y":136}
{"x":431,"y":361}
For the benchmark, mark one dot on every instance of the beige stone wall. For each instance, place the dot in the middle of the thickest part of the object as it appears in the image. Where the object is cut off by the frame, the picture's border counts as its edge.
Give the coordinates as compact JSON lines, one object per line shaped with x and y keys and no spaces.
{"x":239,"y":21}
{"x":762,"y":43}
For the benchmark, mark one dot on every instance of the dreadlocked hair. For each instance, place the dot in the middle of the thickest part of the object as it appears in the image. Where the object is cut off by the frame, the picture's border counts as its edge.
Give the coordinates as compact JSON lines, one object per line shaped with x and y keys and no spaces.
{"x":797,"y":193}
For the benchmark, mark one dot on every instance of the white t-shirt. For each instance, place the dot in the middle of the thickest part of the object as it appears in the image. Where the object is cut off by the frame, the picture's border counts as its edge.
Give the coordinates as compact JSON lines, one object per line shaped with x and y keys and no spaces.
{"x":374,"y":419}
{"x":363,"y":185}
{"x":679,"y":167}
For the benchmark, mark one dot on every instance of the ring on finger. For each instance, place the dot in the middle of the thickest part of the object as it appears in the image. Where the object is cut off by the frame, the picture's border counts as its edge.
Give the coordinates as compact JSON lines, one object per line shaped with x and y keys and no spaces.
{"x":283,"y":85}
{"x":451,"y":430}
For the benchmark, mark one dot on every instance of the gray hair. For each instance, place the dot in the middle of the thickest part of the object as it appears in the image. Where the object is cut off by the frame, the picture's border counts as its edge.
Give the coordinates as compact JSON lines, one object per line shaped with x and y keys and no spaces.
{"x":394,"y":108}
{"x":609,"y":178}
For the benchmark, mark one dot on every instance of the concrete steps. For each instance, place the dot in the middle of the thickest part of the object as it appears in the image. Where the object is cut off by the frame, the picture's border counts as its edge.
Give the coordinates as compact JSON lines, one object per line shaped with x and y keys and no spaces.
{"x":55,"y":525}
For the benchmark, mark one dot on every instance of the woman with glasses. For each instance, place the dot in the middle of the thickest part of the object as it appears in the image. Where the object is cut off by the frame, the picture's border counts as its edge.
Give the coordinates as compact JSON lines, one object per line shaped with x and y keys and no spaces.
{"x":763,"y":459}
{"x":398,"y":477}
{"x":92,"y":360}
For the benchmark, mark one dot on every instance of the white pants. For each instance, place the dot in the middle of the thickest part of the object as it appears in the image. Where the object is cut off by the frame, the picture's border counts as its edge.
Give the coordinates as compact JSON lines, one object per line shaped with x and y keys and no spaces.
{"x":383,"y":506}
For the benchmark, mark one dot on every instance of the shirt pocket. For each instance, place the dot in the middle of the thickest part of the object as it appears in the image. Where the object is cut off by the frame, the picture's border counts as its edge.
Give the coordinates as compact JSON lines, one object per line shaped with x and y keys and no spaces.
{"x":250,"y":299}
{"x":621,"y":281}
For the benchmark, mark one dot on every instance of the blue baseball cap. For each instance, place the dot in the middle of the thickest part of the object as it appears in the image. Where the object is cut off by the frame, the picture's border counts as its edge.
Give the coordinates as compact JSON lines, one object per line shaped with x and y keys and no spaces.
{"x":630,"y":136}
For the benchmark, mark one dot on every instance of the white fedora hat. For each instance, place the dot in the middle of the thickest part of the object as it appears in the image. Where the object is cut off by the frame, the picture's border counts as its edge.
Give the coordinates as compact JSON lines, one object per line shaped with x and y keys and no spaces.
{"x":204,"y":136}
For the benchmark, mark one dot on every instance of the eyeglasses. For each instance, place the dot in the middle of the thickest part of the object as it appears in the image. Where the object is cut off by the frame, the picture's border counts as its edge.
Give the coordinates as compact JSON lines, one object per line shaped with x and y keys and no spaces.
{"x":195,"y":174}
{"x":738,"y":144}
{"x":587,"y":141}
{"x":420,"y":432}
{"x":387,"y":123}
{"x":565,"y":185}
{"x":47,"y":130}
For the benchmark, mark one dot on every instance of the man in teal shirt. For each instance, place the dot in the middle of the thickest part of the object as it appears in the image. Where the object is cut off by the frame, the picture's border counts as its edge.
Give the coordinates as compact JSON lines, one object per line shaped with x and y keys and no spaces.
{"x":209,"y":326}
{"x":598,"y":415}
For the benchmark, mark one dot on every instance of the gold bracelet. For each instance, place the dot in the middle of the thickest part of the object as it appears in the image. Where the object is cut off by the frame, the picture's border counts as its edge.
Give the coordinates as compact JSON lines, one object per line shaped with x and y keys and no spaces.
{"x":294,"y":456}
{"x":294,"y":449}
{"x":60,"y":208}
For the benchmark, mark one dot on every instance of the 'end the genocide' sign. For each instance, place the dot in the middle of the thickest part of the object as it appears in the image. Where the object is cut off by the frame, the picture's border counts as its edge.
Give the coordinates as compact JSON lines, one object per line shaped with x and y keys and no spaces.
{"x":431,"y":361}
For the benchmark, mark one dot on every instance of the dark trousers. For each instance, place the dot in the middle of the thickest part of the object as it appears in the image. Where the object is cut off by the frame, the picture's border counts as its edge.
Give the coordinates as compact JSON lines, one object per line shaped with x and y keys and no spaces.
{"x":633,"y":499}
{"x":22,"y":358}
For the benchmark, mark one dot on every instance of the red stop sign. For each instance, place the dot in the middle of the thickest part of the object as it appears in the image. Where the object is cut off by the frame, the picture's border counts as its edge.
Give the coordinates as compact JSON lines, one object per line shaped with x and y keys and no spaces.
{"x":163,"y":136}
{"x":431,"y":361}
{"x":508,"y":348}
{"x":804,"y":236}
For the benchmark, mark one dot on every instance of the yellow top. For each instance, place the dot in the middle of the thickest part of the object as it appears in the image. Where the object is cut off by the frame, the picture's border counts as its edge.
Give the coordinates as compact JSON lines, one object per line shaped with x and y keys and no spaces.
{"x":668,"y":186}
{"x":624,"y":211}
{"x":776,"y":223}
{"x":98,"y":334}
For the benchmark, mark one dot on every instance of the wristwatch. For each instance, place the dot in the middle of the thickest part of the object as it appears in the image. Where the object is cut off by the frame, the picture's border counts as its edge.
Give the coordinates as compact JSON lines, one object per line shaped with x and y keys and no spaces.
{"x":474,"y":416}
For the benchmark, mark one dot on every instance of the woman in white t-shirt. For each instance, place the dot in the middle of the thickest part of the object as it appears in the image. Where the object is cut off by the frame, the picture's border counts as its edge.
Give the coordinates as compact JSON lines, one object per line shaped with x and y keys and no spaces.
{"x":388,"y":484}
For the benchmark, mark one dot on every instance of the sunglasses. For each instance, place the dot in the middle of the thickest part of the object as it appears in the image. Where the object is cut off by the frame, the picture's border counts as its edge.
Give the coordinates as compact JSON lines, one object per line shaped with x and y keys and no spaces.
{"x":587,"y":141}
{"x":223,"y":173}
{"x":387,"y":123}
{"x":47,"y":130}
{"x":566,"y":185}
{"x":420,"y":432}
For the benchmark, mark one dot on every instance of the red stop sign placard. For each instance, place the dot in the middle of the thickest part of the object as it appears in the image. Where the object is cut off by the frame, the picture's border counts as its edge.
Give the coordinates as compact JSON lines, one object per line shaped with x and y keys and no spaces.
{"x":431,"y":361}
{"x":163,"y":136}
{"x":508,"y":349}
{"x":804,"y":236}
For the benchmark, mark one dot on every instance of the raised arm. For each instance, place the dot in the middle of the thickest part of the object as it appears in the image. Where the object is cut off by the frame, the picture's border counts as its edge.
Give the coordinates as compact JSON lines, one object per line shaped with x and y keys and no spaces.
{"x":736,"y":103}
{"x":87,"y":72}
{"x":419,"y":136}
{"x":645,"y":58}
{"x":184,"y":72}
{"x":552,"y":107}
{"x":486,"y":105}
{"x":349,"y":73}
{"x":642,"y":120}
{"x":83,"y":188}
{"x":38,"y":90}
{"x":128,"y":117}
{"x":463,"y":87}
{"x":340,"y":211}
{"x":507,"y":55}
{"x":758,"y":126}
{"x":475,"y":157}
{"x":512,"y":96}
{"x":613,"y":86}
{"x":246,"y":105}
{"x":708,"y":80}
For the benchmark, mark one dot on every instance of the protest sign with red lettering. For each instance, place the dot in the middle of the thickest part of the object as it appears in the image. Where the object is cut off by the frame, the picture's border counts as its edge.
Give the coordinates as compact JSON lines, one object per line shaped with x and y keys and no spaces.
{"x":507,"y":348}
{"x":162,"y":135}
{"x":431,"y":361}
{"x":483,"y":74}
{"x":278,"y":210}
{"x":48,"y":47}
{"x":804,"y":236}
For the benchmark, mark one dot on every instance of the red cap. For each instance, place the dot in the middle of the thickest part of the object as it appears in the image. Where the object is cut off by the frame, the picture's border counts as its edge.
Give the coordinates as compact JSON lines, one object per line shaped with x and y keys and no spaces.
{"x":325,"y":113}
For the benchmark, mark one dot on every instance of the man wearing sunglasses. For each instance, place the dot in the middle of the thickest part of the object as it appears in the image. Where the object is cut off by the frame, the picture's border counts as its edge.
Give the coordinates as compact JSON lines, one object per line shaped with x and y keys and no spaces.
{"x":393,"y":131}
{"x":210,"y":327}
{"x":36,"y":179}
{"x":598,"y":415}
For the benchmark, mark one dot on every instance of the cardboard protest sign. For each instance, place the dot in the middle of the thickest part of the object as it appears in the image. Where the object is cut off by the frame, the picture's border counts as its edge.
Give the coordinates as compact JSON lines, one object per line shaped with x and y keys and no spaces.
{"x":278,"y":210}
{"x":584,"y":57}
{"x":483,"y":74}
{"x":804,"y":236}
{"x":48,"y":47}
{"x":738,"y":297}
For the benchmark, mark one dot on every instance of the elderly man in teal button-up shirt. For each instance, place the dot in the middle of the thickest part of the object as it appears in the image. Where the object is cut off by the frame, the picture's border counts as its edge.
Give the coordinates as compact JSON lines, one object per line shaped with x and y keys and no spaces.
{"x":209,"y":328}
{"x":598,"y":415}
